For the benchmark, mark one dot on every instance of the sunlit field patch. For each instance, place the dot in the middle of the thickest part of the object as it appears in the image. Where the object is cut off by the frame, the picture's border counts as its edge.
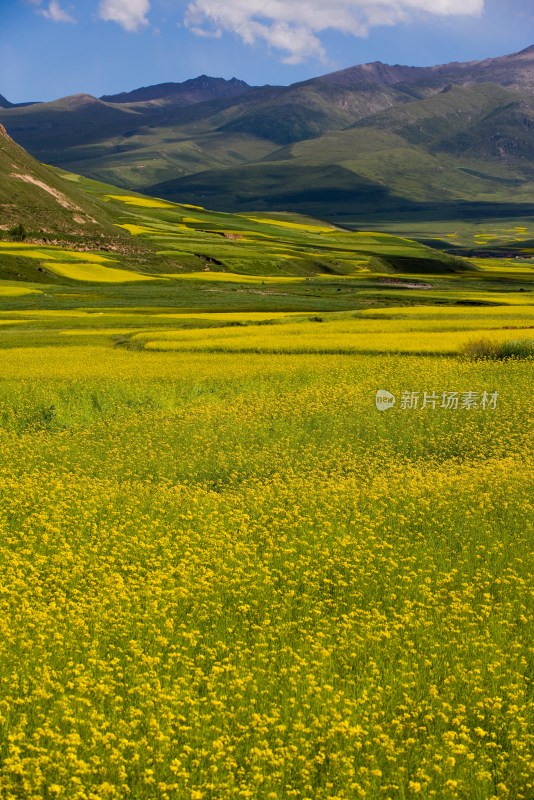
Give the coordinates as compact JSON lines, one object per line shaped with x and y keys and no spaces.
{"x":505,"y":266}
{"x":28,"y":252}
{"x":140,"y":202}
{"x":50,"y":252}
{"x":415,"y":329}
{"x":457,"y":317}
{"x":511,"y":305}
{"x":231,"y":277}
{"x":229,"y":316}
{"x":298,"y":226}
{"x":16,"y":291}
{"x":95,"y":273}
{"x":334,"y":337}
{"x":136,"y":230}
{"x":94,"y":331}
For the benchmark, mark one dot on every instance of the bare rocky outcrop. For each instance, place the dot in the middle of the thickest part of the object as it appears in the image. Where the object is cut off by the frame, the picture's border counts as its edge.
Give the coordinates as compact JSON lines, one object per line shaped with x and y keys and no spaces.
{"x":5,"y":134}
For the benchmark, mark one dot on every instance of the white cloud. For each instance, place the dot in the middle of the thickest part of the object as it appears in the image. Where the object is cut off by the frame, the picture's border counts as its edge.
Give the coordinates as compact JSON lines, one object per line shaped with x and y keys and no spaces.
{"x":53,"y":11}
{"x":293,"y":26}
{"x":206,"y":33}
{"x":130,"y":14}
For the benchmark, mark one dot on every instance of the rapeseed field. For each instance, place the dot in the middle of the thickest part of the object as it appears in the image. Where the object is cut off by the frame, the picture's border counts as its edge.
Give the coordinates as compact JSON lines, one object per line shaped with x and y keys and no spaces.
{"x":228,"y":575}
{"x":265,"y":512}
{"x":93,"y":273}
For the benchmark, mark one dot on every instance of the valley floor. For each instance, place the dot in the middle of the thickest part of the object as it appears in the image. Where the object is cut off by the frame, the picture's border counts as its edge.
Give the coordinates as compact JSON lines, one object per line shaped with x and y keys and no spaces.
{"x":227,"y":573}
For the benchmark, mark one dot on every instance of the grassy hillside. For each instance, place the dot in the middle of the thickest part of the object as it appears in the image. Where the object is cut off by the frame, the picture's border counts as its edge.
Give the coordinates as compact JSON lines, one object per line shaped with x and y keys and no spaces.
{"x":470,"y":144}
{"x":47,"y":204}
{"x":142,"y":247}
{"x":307,"y":110}
{"x":178,"y":239}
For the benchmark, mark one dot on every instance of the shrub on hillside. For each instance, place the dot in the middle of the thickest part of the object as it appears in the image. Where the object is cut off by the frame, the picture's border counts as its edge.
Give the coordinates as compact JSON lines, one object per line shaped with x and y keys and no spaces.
{"x":17,"y":233}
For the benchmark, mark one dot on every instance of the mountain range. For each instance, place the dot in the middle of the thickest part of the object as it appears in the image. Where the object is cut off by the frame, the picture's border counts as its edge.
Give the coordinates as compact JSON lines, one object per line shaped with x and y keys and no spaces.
{"x":370,"y":141}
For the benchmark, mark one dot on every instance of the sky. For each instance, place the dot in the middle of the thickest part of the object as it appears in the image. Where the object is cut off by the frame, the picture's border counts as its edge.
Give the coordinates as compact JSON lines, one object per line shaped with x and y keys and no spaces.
{"x":54,"y":48}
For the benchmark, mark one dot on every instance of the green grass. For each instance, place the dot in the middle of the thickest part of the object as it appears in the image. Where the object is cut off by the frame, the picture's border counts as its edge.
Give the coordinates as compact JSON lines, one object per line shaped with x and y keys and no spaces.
{"x":490,"y":349}
{"x":37,"y":197}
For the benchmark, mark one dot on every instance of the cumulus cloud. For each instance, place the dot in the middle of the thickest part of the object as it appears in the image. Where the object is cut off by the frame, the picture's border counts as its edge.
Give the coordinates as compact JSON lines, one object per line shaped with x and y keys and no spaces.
{"x":294,"y":26}
{"x":52,"y":11}
{"x":130,"y":14}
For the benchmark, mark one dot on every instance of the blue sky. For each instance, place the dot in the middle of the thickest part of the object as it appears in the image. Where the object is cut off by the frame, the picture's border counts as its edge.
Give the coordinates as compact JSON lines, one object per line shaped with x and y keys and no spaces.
{"x":53,"y":48}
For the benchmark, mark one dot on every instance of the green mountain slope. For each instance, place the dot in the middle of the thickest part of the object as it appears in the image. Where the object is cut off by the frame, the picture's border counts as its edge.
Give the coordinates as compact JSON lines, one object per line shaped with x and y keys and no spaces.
{"x":372,"y":139}
{"x":472,"y":144}
{"x":308,"y":110}
{"x":47,"y":204}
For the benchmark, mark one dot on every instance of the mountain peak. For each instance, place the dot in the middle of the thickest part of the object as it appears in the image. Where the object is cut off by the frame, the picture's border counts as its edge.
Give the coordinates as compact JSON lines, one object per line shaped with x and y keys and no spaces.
{"x":194,"y":90}
{"x":74,"y":101}
{"x":375,"y":72}
{"x":5,"y":103}
{"x":528,"y":52}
